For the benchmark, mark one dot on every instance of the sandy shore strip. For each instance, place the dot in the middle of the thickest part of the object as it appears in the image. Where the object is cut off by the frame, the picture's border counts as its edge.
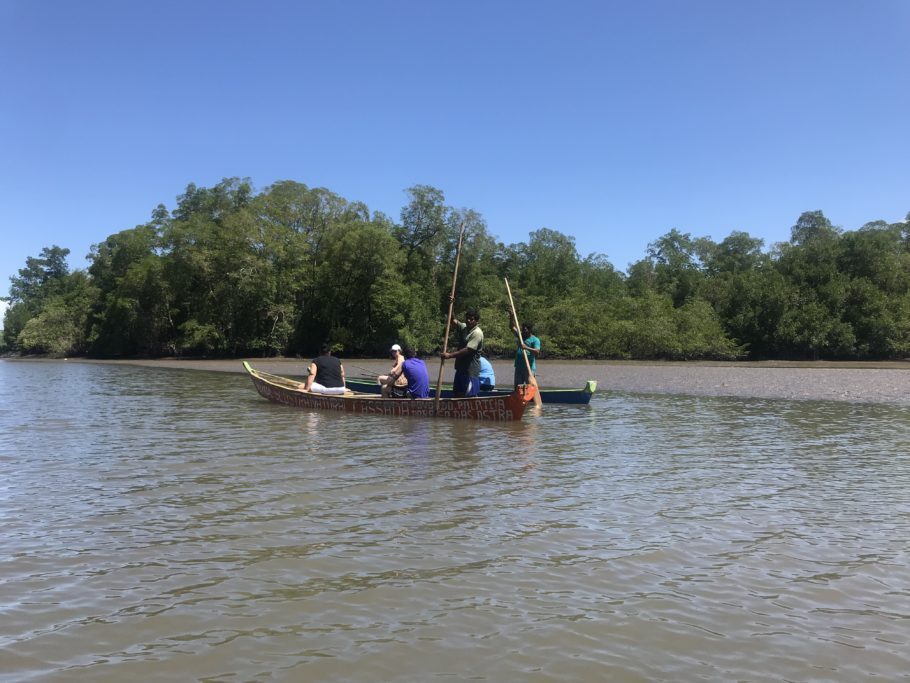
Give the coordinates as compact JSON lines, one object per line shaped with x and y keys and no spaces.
{"x":862,"y":382}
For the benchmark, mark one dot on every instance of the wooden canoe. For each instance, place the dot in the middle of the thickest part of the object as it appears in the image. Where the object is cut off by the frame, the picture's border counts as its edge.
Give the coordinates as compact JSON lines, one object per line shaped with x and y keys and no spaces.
{"x":496,"y":408}
{"x":368,"y":385}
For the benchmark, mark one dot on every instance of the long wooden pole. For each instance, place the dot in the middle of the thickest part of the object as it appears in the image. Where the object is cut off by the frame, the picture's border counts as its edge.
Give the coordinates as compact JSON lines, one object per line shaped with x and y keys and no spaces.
{"x":445,"y":340}
{"x":531,"y":378}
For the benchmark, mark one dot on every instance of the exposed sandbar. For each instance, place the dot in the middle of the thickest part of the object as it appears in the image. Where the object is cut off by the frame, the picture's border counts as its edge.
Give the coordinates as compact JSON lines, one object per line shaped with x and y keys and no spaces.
{"x":862,"y":382}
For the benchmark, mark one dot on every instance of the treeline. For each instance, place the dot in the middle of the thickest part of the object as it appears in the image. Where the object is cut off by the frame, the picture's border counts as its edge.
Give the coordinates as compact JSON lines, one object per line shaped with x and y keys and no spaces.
{"x":230,"y":272}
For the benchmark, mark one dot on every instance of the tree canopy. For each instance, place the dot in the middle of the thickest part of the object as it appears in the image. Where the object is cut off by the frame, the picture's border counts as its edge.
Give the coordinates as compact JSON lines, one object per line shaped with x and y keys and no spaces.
{"x":230,"y":271}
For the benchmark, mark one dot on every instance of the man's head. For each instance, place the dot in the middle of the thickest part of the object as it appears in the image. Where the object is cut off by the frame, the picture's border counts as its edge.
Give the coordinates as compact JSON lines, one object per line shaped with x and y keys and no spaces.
{"x":471,"y":317}
{"x":395,"y":350}
{"x":527,"y":328}
{"x":325,"y":349}
{"x":409,"y":351}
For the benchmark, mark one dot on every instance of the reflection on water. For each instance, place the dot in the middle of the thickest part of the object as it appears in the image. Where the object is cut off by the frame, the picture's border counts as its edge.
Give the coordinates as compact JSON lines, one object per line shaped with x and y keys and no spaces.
{"x":172,"y":524}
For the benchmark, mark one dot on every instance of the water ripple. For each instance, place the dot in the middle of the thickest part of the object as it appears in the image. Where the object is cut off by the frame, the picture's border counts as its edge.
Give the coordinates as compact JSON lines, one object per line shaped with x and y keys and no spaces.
{"x":173,"y":525}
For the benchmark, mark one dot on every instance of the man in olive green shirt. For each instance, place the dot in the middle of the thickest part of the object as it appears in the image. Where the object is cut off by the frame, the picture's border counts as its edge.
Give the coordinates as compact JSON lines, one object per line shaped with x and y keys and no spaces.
{"x":467,"y":357}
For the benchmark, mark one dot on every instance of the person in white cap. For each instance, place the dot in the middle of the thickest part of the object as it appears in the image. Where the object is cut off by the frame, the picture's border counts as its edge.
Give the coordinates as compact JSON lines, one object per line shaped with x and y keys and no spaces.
{"x":395,"y":378}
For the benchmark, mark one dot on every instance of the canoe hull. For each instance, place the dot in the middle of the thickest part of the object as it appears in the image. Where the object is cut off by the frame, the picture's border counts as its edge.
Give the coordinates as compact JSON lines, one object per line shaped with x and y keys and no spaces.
{"x":571,"y":396}
{"x":489,"y":408}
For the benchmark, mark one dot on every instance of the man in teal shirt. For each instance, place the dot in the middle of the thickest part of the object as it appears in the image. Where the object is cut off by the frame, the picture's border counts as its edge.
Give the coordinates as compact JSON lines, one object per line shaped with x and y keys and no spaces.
{"x":530,"y":347}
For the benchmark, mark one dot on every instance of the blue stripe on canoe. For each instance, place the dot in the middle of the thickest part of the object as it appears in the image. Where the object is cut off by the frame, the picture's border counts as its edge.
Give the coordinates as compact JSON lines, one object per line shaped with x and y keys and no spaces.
{"x":367,"y":385}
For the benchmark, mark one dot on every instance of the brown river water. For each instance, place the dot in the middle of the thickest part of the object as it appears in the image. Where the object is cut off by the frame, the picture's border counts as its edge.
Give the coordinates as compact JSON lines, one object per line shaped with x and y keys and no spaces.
{"x":693,"y":523}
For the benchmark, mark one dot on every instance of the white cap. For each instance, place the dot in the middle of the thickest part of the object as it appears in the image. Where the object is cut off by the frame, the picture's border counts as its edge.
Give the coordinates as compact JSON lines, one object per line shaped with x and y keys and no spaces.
{"x":395,"y":347}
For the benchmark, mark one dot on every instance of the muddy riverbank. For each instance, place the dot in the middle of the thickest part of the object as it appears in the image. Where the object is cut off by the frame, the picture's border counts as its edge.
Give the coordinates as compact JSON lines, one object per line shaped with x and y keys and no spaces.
{"x":886,"y":382}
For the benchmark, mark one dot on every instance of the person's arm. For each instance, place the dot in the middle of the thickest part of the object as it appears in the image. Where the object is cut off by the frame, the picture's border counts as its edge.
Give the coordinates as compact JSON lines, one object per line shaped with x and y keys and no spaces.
{"x":533,"y":349}
{"x":395,"y":374}
{"x":472,"y":344}
{"x":310,"y":377}
{"x":458,"y":353}
{"x":343,"y":382}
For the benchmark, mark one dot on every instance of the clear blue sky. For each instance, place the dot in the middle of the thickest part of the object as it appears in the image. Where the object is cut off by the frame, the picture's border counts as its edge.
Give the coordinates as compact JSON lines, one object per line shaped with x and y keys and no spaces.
{"x":612,"y":122}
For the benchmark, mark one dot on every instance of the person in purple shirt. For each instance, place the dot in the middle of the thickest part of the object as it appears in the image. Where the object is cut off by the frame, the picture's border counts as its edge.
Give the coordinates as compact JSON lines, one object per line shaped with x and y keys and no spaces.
{"x":415,"y":371}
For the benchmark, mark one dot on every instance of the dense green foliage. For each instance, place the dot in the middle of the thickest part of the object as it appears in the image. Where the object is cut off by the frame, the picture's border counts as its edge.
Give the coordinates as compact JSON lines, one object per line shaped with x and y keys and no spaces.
{"x":231,"y":272}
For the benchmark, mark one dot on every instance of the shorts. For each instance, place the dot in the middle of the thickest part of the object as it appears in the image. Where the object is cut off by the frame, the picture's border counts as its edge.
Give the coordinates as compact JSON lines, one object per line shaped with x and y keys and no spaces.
{"x":465,"y":385}
{"x":521,"y":375}
{"x":398,"y":392}
{"x":317,"y":388}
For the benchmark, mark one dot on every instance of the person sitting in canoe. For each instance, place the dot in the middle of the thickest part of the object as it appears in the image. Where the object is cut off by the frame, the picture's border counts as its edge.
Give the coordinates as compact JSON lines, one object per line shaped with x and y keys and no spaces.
{"x":387,"y":382}
{"x":326,"y":374}
{"x":417,"y":379}
{"x":487,"y":376}
{"x":467,"y":357}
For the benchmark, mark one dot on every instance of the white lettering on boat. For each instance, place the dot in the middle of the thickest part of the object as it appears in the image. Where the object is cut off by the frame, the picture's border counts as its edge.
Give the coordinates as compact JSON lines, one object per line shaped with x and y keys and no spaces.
{"x":488,"y":408}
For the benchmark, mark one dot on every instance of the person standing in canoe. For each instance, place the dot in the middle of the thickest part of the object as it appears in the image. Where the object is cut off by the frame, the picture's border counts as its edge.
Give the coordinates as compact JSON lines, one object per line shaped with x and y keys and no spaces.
{"x":414,"y":371}
{"x":528,"y":345}
{"x":467,"y":357}
{"x":326,"y":374}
